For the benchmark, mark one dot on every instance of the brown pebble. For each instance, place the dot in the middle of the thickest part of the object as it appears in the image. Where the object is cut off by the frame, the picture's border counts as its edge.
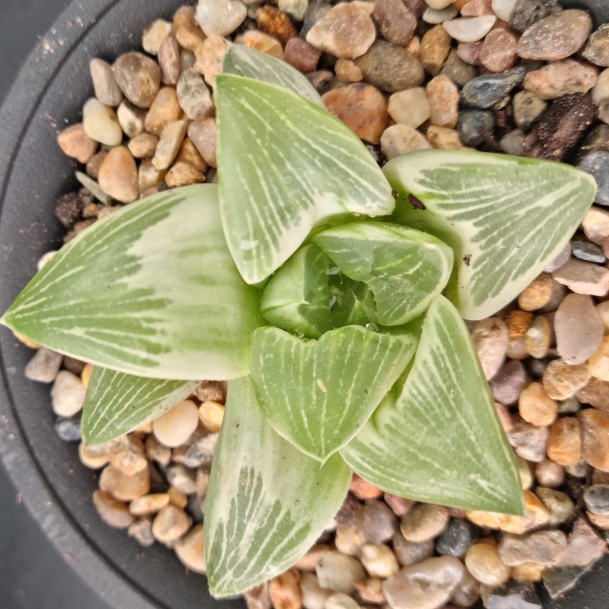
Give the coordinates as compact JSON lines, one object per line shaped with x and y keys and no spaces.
{"x":170,"y":143}
{"x":399,"y":505}
{"x":395,"y":22}
{"x":561,"y":380}
{"x":203,"y":135}
{"x":538,"y":337}
{"x":564,"y":443}
{"x":76,"y":143}
{"x":347,"y":71}
{"x":443,"y":96}
{"x":544,"y":294}
{"x":124,"y":488}
{"x":139,"y":78}
{"x":423,"y":522}
{"x":170,"y":524}
{"x":595,"y":438}
{"x":549,"y":474}
{"x":285,"y":592}
{"x":114,"y":513}
{"x":595,"y":393}
{"x":164,"y":109}
{"x":186,"y":29}
{"x":560,"y":128}
{"x":364,"y":490}
{"x":169,"y":61}
{"x":143,"y":146}
{"x":362,"y":108}
{"x":498,"y":52}
{"x":189,"y":154}
{"x":435,"y":47}
{"x":258,"y":597}
{"x":94,"y":164}
{"x":536,"y":407}
{"x":276,"y":23}
{"x":118,"y":175}
{"x":301,"y":55}
{"x":183,"y":174}
{"x":443,"y":138}
{"x":149,"y":504}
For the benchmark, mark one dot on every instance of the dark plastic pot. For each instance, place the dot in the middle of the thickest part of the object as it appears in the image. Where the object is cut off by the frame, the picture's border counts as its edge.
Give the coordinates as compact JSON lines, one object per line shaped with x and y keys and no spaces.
{"x":33,"y":172}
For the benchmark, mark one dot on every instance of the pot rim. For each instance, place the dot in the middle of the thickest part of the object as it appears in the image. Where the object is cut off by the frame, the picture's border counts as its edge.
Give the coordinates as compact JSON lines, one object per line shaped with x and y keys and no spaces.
{"x":18,"y":110}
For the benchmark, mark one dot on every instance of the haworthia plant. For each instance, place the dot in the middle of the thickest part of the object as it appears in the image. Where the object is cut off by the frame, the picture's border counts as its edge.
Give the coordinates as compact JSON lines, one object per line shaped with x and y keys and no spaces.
{"x":443,"y":425}
{"x":404,"y":268}
{"x":318,"y":394}
{"x":505,"y":217}
{"x":288,"y":165}
{"x":242,"y":60}
{"x":297,"y":297}
{"x":352,"y":302}
{"x":150,"y":290}
{"x":267,"y":502}
{"x":118,"y":403}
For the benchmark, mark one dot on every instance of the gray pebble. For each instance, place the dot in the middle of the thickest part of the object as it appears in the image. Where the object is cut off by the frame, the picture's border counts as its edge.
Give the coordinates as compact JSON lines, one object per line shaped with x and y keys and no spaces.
{"x":569,"y":406}
{"x":317,"y":9}
{"x":597,"y":499}
{"x":68,"y":430}
{"x":141,"y":531}
{"x":457,"y":538}
{"x":559,"y":580}
{"x":597,"y":165}
{"x":588,"y":251}
{"x":528,"y":12}
{"x":475,"y":126}
{"x":509,"y":382}
{"x":194,"y":96}
{"x":410,"y":553}
{"x":44,"y":366}
{"x":457,"y":70}
{"x":529,"y":441}
{"x":485,"y":91}
{"x":380,"y":523}
{"x":559,"y":505}
{"x":182,"y":478}
{"x":194,"y":509}
{"x":513,"y":143}
{"x":106,"y":89}
{"x":202,"y":451}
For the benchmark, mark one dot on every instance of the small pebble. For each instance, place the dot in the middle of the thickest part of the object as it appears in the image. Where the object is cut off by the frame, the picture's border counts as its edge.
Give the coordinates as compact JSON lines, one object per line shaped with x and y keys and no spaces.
{"x":529,"y":441}
{"x":538,"y":337}
{"x":503,"y":8}
{"x":443,"y":97}
{"x":169,"y":61}
{"x":466,"y":593}
{"x":513,"y":143}
{"x":131,"y":119}
{"x":561,"y":259}
{"x":164,"y":110}
{"x":498,"y":52}
{"x":588,"y":251}
{"x":379,"y":560}
{"x":263,"y":43}
{"x":595,"y":438}
{"x":104,"y":84}
{"x":395,"y":22}
{"x":220,"y":17}
{"x":202,"y":133}
{"x":509,"y":382}
{"x":182,"y":478}
{"x":312,"y":558}
{"x":536,"y":407}
{"x":114,"y":513}
{"x":294,"y":8}
{"x":380,"y":523}
{"x":424,"y":586}
{"x":562,"y":380}
{"x":556,"y":37}
{"x":122,"y":487}
{"x":597,"y":49}
{"x":600,"y":92}
{"x":118,"y":175}
{"x":528,"y":107}
{"x":470,"y":29}
{"x":490,"y":337}
{"x":68,"y":430}
{"x":549,"y":474}
{"x":155,"y":35}
{"x":595,"y":393}
{"x":564,"y":443}
{"x":457,"y":538}
{"x":400,"y":139}
{"x":544,"y":294}
{"x":75,"y":142}
{"x":101,"y":123}
{"x":513,"y":595}
{"x":597,"y":165}
{"x":170,"y":524}
{"x":301,"y":55}
{"x":527,"y":12}
{"x":148,"y":504}
{"x":596,"y":225}
{"x":435,"y":47}
{"x":370,"y":590}
{"x":275,"y":23}
{"x":597,"y":499}
{"x":410,"y":107}
{"x":484,"y":563}
{"x":424,"y":522}
{"x":93,"y":457}
{"x":340,"y":601}
{"x":457,"y":70}
{"x":94,"y":163}
{"x":583,"y":277}
{"x":186,"y":29}
{"x":558,"y":504}
{"x":364,"y":490}
{"x":434,"y":16}
{"x":44,"y":366}
{"x":139,"y":78}
{"x":149,"y":176}
{"x":141,"y":531}
{"x":211,"y":415}
{"x":339,"y":572}
{"x":585,"y":546}
{"x":170,"y":143}
{"x":561,"y":78}
{"x":598,"y":364}
{"x":143,"y":146}
{"x":68,"y":394}
{"x":579,"y":329}
{"x":475,"y":127}
{"x":443,"y":138}
{"x":313,"y":595}
{"x":202,"y":451}
{"x":485,"y":91}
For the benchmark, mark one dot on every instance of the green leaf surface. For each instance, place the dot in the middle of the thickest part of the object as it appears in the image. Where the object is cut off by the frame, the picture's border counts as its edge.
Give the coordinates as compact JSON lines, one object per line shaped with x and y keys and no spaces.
{"x":118,"y":403}
{"x":286,"y":166}
{"x":439,"y":440}
{"x":404,"y":268}
{"x":505,"y":217}
{"x":352,"y":302}
{"x":242,"y":60}
{"x":267,"y":502}
{"x":318,"y":394}
{"x":150,"y":290}
{"x":297,"y":297}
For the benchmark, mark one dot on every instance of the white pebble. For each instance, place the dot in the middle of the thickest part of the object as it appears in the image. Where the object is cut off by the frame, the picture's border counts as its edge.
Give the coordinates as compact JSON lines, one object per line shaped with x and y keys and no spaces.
{"x":470,"y":29}
{"x":313,"y":595}
{"x":220,"y":17}
{"x":433,"y":16}
{"x":154,"y":36}
{"x":379,"y":560}
{"x":400,"y":139}
{"x":68,"y":394}
{"x":503,"y":8}
{"x":339,"y":572}
{"x":409,"y":107}
{"x":341,"y":601}
{"x":101,"y":124}
{"x":175,"y":427}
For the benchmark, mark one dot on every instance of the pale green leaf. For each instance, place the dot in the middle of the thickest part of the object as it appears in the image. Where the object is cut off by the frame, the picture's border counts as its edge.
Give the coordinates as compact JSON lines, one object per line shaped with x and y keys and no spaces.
{"x":242,"y":60}
{"x":318,"y":394}
{"x":297,"y":297}
{"x":267,"y":502}
{"x":505,"y":217}
{"x":149,"y":290}
{"x":405,"y":269}
{"x":286,"y":166}
{"x":352,"y":302}
{"x":440,"y":439}
{"x":118,"y":403}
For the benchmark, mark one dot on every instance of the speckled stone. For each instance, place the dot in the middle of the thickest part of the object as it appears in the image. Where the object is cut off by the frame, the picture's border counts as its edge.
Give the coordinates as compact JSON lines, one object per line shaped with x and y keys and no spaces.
{"x":485,"y":91}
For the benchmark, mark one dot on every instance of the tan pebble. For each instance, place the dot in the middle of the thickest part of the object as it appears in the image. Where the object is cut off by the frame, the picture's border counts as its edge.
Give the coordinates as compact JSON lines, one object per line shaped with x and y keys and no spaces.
{"x":596,"y":223}
{"x":595,"y":438}
{"x":364,"y":490}
{"x":543,"y":294}
{"x":312,"y":558}
{"x":164,"y":109}
{"x":203,"y":135}
{"x":285,"y":592}
{"x":561,"y":381}
{"x":211,"y":415}
{"x":124,"y":488}
{"x":101,"y":123}
{"x":602,"y":310}
{"x":485,"y":564}
{"x":149,"y":504}
{"x":131,"y":118}
{"x":177,"y":498}
{"x":155,"y":35}
{"x":347,"y":71}
{"x":362,"y":108}
{"x":139,"y":78}
{"x":549,"y":474}
{"x":170,"y":143}
{"x":143,"y":146}
{"x":169,"y":61}
{"x":598,"y":364}
{"x":92,"y":457}
{"x":414,"y":46}
{"x":443,"y":138}
{"x":370,"y":590}
{"x":68,"y":394}
{"x":106,"y":89}
{"x":400,"y":139}
{"x":275,"y":23}
{"x":435,"y":47}
{"x":490,"y":338}
{"x":409,"y":107}
{"x":155,"y":451}
{"x":186,"y":29}
{"x":209,"y":58}
{"x":189,"y":154}
{"x":595,"y":393}
{"x":76,"y":143}
{"x":149,"y":176}
{"x":518,"y":322}
{"x":528,"y":572}
{"x":263,"y":43}
{"x":349,"y":540}
{"x":504,"y":416}
{"x":118,"y":175}
{"x":191,"y":549}
{"x":536,"y":407}
{"x":179,"y":454}
{"x":564,"y":444}
{"x":85,"y":375}
{"x":183,"y":174}
{"x":424,"y":521}
{"x":114,"y":513}
{"x":524,"y":472}
{"x":443,"y":96}
{"x":538,"y":337}
{"x":176,"y":426}
{"x":170,"y":524}
{"x":130,"y":460}
{"x":599,"y":521}
{"x":379,"y":560}
{"x":141,"y":531}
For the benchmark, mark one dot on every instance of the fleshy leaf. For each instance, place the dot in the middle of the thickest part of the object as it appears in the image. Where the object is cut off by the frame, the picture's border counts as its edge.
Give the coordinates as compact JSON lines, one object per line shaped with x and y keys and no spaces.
{"x":352,"y":302}
{"x":242,"y":60}
{"x":405,"y":269}
{"x":118,"y":403}
{"x":505,"y":217}
{"x":297,"y":297}
{"x":286,"y":166}
{"x":150,"y":290}
{"x":267,"y":502}
{"x":440,"y":440}
{"x":318,"y":394}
